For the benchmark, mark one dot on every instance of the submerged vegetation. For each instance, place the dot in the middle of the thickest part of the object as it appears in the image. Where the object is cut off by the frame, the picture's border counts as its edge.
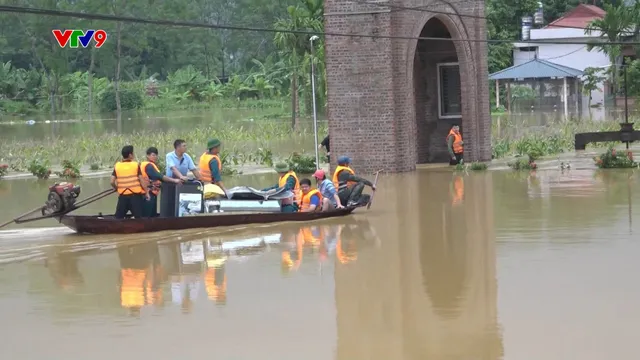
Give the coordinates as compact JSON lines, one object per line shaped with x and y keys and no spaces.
{"x":255,"y":144}
{"x":516,"y":138}
{"x":265,"y":142}
{"x":612,"y":159}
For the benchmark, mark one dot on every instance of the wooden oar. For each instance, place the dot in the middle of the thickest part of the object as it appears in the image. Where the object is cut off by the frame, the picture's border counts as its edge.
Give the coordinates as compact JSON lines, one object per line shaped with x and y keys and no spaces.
{"x":375,"y":182}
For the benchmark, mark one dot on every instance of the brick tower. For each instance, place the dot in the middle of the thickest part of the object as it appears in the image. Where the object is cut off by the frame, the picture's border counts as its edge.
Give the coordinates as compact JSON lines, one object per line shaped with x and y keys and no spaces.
{"x":391,"y":102}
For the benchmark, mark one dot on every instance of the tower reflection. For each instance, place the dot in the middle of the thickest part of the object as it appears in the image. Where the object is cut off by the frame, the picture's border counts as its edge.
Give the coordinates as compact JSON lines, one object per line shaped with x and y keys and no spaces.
{"x":430,"y":292}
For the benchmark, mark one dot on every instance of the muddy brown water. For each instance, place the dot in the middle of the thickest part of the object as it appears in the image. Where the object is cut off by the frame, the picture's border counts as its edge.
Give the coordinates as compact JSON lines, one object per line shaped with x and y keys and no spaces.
{"x":495,"y":265}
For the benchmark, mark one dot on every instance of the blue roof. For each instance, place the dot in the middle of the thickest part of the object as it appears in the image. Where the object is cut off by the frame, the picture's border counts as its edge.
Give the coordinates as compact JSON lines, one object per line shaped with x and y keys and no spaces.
{"x":536,"y":69}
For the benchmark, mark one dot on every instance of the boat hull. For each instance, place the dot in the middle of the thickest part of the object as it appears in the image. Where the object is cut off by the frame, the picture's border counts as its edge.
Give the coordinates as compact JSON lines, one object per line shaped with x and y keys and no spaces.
{"x":111,"y":225}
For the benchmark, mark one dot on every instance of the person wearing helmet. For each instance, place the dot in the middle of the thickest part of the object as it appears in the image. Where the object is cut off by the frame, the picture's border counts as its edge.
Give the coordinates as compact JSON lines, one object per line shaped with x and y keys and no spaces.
{"x":349,"y":185}
{"x":330,"y":198}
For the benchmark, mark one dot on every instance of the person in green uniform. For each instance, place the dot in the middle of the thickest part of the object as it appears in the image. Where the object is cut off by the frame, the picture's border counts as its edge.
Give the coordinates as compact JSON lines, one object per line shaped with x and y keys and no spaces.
{"x":289,"y":181}
{"x":152,"y":174}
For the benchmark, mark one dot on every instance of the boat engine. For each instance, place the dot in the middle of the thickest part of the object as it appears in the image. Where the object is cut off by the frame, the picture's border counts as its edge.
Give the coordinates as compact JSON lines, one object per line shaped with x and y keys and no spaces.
{"x":62,"y":197}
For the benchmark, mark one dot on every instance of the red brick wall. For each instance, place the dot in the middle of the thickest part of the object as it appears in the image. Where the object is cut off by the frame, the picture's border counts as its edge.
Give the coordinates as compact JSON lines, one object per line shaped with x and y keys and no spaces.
{"x":372,"y":87}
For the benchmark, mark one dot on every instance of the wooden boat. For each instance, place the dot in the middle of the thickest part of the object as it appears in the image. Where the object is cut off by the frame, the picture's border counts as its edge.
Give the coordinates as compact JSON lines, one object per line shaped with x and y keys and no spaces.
{"x":110,"y":225}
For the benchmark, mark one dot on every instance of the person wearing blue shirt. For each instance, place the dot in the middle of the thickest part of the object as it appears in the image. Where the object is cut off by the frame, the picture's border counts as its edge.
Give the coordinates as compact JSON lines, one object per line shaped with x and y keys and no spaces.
{"x":179,"y":163}
{"x":330,"y":198}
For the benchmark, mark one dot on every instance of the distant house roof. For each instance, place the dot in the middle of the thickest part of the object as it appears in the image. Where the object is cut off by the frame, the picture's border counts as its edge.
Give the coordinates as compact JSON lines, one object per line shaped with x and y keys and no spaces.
{"x":579,"y":17}
{"x":536,"y":69}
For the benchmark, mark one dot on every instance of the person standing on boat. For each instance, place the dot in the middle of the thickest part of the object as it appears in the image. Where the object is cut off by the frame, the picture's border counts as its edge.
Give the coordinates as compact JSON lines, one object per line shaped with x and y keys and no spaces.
{"x":179,"y":163}
{"x":154,"y":178}
{"x":310,"y":199}
{"x":349,"y":185}
{"x":211,"y":166}
{"x":330,"y":198}
{"x":455,"y":145}
{"x":289,"y":181}
{"x":127,"y":180}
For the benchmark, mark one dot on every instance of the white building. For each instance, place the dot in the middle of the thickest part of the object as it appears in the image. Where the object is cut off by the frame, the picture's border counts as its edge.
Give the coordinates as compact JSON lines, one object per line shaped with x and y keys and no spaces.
{"x":570,"y":28}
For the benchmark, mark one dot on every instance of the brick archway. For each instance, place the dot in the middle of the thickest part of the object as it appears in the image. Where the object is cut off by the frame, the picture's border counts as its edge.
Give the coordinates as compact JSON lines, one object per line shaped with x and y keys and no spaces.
{"x":428,"y":62}
{"x":371,"y":84}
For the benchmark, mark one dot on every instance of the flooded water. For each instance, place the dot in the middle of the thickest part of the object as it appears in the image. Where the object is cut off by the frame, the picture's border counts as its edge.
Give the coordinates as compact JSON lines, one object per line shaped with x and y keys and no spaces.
{"x":14,"y":128}
{"x":496,"y":265}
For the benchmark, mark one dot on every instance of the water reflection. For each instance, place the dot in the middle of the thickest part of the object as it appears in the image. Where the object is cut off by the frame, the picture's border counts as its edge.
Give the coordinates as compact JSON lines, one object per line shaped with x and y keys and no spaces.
{"x":432,"y":293}
{"x":156,"y":274}
{"x":141,"y":276}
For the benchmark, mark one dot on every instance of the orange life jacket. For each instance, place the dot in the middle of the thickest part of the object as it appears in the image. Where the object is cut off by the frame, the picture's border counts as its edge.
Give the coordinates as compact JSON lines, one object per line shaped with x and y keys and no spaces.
{"x":345,"y":256}
{"x":203,"y":164}
{"x":310,"y":238}
{"x":127,"y":179}
{"x":287,"y":262}
{"x":336,"y":176}
{"x":296,"y":191}
{"x":458,"y":190}
{"x":216,"y":291}
{"x":153,"y":185}
{"x":305,"y":200}
{"x":133,"y":288}
{"x":457,"y":141}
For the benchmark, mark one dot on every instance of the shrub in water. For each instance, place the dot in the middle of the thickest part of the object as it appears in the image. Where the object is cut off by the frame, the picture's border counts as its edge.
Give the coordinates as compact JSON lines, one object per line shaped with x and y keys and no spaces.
{"x":611,"y":159}
{"x":70,"y":170}
{"x":523,"y":164}
{"x":478,"y":166}
{"x":4,"y":169}
{"x":302,"y":164}
{"x":40,"y":169}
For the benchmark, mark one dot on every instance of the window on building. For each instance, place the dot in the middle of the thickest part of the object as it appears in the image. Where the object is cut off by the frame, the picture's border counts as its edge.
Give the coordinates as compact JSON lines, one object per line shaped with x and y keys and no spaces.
{"x":449,"y":94}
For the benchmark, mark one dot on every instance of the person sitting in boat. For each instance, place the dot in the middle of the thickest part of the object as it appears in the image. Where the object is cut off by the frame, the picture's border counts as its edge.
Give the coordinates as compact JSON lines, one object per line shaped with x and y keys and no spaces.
{"x":127,"y":180}
{"x":154,"y":178}
{"x":310,"y":199}
{"x":330,"y":198}
{"x":289,"y":181}
{"x":349,"y":185}
{"x":210,"y":164}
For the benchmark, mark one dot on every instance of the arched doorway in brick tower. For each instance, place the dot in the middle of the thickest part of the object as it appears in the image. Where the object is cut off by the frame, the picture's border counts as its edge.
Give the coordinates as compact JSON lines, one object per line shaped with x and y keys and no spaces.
{"x":441,"y":70}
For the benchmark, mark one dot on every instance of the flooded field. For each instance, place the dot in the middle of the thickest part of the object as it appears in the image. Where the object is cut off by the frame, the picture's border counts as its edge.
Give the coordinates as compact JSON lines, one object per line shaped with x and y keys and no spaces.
{"x":497,"y":265}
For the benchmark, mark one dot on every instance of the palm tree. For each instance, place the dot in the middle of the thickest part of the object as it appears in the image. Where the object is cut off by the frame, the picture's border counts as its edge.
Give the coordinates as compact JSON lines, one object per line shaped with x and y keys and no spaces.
{"x":307,"y":17}
{"x":618,"y":24}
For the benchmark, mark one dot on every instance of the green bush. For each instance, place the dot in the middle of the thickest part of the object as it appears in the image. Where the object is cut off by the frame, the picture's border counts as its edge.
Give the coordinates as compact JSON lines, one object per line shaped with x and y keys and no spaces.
{"x":611,"y":159}
{"x":129,"y":100}
{"x":478,"y":166}
{"x":302,"y":164}
{"x":527,"y":163}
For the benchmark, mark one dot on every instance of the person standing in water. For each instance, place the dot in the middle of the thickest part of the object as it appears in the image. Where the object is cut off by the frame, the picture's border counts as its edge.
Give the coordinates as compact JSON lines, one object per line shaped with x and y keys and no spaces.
{"x":454,"y":145}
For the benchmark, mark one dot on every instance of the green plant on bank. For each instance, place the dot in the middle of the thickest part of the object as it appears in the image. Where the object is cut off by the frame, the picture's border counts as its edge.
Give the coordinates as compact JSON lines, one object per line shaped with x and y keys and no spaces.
{"x":522,"y":163}
{"x":70,"y":170}
{"x":94,"y":167}
{"x":4,"y":169}
{"x":612,"y":159}
{"x":39,"y":169}
{"x":302,"y":164}
{"x":513,"y":137}
{"x":474,"y":166}
{"x":478,"y":166}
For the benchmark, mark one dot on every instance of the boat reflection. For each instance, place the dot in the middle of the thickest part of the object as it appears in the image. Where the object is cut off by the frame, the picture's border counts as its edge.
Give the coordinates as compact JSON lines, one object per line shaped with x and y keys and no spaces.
{"x":141,"y":276}
{"x":196,"y":270}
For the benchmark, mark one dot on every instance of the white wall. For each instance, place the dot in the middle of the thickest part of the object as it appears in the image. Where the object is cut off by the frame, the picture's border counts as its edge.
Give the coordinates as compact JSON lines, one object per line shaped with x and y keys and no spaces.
{"x":572,"y":55}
